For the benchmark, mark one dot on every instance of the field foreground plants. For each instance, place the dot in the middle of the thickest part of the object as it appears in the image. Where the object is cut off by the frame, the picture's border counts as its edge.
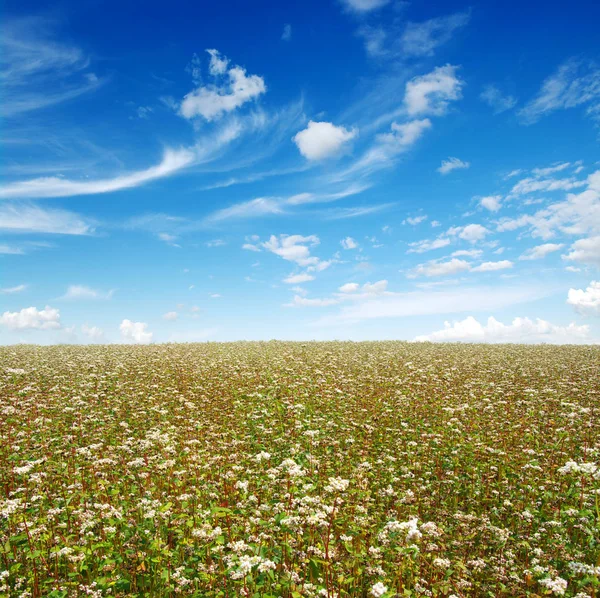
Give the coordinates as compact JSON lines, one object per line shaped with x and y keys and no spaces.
{"x":290,"y":470}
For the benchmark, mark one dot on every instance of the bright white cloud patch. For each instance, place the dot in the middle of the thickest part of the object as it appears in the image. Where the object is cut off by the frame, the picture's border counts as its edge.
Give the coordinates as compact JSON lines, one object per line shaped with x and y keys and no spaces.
{"x":349,"y":287}
{"x":135,"y":332}
{"x":294,"y":248}
{"x":470,"y":232}
{"x":492,"y":202}
{"x":541,"y":251}
{"x":428,"y":245}
{"x":348,"y":243}
{"x":585,"y":251}
{"x":431,"y":93}
{"x":521,"y":330}
{"x":452,"y":164}
{"x":31,"y":318}
{"x":322,"y":140}
{"x":211,"y":102}
{"x":586,"y":301}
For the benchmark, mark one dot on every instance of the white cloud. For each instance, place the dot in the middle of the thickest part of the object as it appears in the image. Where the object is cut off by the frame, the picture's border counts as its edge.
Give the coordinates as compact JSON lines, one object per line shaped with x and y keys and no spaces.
{"x":452,"y":164}
{"x":493,"y":97}
{"x":172,"y":161}
{"x":135,"y":332}
{"x":470,"y":232}
{"x":492,"y":202}
{"x":31,"y":318}
{"x":349,"y":287}
{"x":11,"y":290}
{"x":493,"y":266}
{"x":474,"y":253}
{"x":364,"y":6}
{"x":585,"y":251}
{"x":10,"y":250}
{"x":76,"y":291}
{"x":261,"y":206}
{"x":404,"y":135}
{"x":170,"y":316}
{"x":213,"y":101}
{"x":299,"y":301}
{"x":375,"y":288}
{"x":421,"y":39}
{"x":216,"y":243}
{"x":286,"y":36}
{"x":573,"y":84}
{"x":534,"y":184}
{"x":294,"y":248}
{"x":298,"y":278}
{"x":37,"y":71}
{"x":578,"y":215}
{"x":414,"y":220}
{"x":322,"y":140}
{"x":94,"y":333}
{"x":431,"y":93}
{"x":348,"y":243}
{"x":428,"y":245}
{"x":521,"y":330}
{"x":33,"y":219}
{"x":251,"y":247}
{"x":436,"y":268}
{"x":541,"y":172}
{"x":586,"y":302}
{"x":426,"y":302}
{"x":540,"y":251}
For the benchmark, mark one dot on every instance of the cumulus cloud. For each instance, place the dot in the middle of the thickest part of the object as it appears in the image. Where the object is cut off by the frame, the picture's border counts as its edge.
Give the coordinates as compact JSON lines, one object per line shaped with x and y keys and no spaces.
{"x":521,"y":330}
{"x":31,"y":318}
{"x":540,"y":251}
{"x":586,"y":301}
{"x":135,"y":332}
{"x":293,"y":248}
{"x":431,"y":93}
{"x":170,"y":316}
{"x":471,"y":232}
{"x":211,"y":102}
{"x":348,"y":243}
{"x":322,"y":140}
{"x":585,"y":251}
{"x":421,"y":39}
{"x":452,"y":164}
{"x":492,"y":202}
{"x":414,"y":220}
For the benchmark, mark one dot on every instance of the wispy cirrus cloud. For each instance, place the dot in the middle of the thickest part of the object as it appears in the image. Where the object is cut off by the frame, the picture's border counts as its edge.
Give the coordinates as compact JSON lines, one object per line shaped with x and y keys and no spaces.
{"x":37,"y":71}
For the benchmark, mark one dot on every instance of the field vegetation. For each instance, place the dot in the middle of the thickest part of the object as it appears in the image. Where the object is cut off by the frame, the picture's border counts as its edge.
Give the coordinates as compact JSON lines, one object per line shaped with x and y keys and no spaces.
{"x":300,"y":469}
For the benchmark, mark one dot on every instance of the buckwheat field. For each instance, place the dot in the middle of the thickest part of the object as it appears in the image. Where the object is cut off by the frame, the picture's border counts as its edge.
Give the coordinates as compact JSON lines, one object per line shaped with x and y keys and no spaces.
{"x":287,"y":470}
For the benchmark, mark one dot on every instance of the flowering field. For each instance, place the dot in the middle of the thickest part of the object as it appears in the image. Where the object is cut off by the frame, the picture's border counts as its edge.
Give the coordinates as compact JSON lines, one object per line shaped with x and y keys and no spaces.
{"x":288,"y":469}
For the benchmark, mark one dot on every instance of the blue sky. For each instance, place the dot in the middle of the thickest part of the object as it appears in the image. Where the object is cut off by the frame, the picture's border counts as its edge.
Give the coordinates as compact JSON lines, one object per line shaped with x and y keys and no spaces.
{"x":344,"y":169}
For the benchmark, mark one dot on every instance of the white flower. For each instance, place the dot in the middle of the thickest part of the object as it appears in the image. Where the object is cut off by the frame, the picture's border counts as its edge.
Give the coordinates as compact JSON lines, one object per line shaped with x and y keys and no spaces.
{"x":378,"y":590}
